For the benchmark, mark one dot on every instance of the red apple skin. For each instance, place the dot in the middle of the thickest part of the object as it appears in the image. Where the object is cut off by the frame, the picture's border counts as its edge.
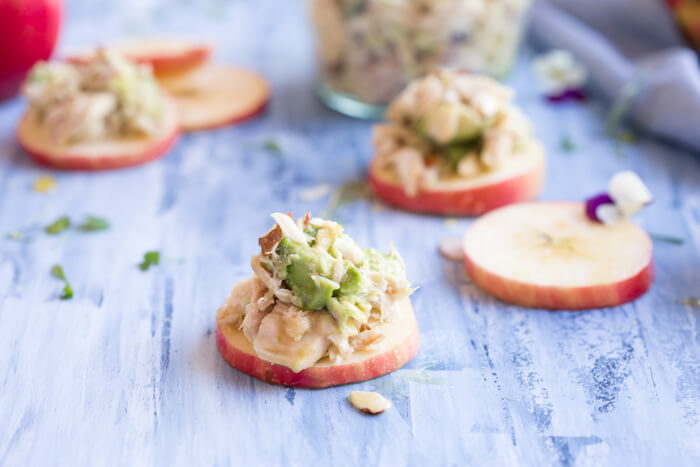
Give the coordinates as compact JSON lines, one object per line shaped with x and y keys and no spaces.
{"x":320,"y":376}
{"x":82,"y":163}
{"x":28,"y":33}
{"x":191,"y":59}
{"x":165,"y":64}
{"x":470,"y":202}
{"x":562,"y":298}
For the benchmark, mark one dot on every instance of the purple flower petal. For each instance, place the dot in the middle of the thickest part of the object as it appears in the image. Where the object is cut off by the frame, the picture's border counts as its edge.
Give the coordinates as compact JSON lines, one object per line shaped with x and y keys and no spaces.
{"x":592,"y":204}
{"x":568,"y":95}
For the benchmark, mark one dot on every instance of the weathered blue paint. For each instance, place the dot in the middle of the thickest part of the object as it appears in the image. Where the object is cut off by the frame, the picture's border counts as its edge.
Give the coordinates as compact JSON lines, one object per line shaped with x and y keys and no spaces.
{"x":127,"y":373}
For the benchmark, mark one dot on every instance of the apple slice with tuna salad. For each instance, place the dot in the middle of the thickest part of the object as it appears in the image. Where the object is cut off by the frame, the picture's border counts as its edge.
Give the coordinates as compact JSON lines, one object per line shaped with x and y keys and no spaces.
{"x":319,"y":310}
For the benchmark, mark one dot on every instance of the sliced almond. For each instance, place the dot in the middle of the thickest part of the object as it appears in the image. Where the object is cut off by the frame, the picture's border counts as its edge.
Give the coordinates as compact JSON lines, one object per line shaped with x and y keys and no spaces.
{"x":269,"y":241}
{"x":451,"y":248}
{"x":371,"y":403}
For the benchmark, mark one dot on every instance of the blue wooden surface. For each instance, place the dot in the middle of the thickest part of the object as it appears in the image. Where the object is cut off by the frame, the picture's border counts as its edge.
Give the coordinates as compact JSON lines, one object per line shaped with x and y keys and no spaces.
{"x":127,"y":373}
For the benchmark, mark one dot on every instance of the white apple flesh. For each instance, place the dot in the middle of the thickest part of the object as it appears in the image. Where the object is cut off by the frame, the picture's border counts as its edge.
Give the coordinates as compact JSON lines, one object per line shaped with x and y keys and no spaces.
{"x":550,"y":255}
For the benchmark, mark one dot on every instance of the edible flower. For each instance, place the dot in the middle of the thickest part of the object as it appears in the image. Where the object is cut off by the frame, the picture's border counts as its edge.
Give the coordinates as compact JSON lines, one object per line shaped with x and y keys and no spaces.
{"x":627,"y":194}
{"x":561,"y":77}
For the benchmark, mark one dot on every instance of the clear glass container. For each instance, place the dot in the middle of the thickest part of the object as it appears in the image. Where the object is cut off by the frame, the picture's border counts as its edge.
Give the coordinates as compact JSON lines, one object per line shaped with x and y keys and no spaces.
{"x":368,"y":50}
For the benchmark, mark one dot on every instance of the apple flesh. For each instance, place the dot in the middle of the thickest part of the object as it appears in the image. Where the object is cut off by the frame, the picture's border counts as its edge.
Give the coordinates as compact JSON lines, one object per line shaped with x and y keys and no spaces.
{"x":213,"y":96}
{"x":28,"y":33}
{"x":98,"y":155}
{"x":400,"y":345}
{"x":550,"y":255}
{"x":520,"y":180}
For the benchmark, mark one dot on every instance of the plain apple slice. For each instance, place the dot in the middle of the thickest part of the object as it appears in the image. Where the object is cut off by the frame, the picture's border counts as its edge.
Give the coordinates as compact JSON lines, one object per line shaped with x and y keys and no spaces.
{"x":520,"y":180}
{"x":98,"y":155}
{"x":550,"y":255}
{"x":213,"y":96}
{"x":400,"y":345}
{"x":165,"y":55}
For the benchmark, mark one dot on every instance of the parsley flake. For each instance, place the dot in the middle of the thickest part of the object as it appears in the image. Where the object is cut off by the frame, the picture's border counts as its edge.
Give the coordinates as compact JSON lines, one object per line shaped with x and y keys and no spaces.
{"x":666,"y":238}
{"x":567,"y":144}
{"x":57,"y":272}
{"x":150,"y":258}
{"x":58,"y":226}
{"x":272,"y":147}
{"x":67,"y":292}
{"x":94,"y":224}
{"x":16,"y":235}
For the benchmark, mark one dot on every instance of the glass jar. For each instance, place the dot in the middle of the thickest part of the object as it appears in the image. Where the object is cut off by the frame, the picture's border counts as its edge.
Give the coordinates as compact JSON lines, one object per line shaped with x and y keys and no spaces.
{"x":368,"y":50}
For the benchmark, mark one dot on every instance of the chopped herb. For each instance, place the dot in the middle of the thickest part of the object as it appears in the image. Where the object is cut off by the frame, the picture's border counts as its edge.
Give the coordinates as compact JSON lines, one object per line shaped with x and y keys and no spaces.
{"x":666,"y":238}
{"x":94,"y":224}
{"x":272,"y":147}
{"x":691,"y":301}
{"x":567,"y":144}
{"x":58,"y":226}
{"x":67,"y":292}
{"x":44,"y":184}
{"x":16,"y":235}
{"x":150,"y":258}
{"x":57,"y":272}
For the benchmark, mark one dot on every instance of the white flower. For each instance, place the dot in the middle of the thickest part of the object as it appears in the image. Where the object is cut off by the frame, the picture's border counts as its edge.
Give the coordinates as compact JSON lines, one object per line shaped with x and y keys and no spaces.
{"x":629,"y":192}
{"x":558,"y":71}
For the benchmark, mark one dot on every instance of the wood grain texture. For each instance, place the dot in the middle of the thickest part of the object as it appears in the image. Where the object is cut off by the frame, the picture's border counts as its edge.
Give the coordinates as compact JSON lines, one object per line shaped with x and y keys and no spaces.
{"x":127,"y":372}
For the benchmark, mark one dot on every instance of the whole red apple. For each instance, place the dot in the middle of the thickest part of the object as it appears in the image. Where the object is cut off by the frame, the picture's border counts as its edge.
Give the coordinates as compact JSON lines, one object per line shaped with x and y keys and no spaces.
{"x":28,"y":32}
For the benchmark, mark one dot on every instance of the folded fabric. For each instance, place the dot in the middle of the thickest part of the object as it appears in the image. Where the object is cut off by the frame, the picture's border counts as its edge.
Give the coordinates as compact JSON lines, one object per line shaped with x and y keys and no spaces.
{"x":631,"y":48}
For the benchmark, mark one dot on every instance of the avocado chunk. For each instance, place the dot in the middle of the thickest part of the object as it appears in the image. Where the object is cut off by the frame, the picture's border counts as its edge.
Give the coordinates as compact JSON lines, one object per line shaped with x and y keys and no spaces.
{"x":452,"y":123}
{"x":303,"y":273}
{"x":350,"y":284}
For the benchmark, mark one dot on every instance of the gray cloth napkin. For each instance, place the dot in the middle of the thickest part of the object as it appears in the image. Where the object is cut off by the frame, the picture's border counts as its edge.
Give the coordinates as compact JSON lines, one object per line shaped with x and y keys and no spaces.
{"x":631,"y":48}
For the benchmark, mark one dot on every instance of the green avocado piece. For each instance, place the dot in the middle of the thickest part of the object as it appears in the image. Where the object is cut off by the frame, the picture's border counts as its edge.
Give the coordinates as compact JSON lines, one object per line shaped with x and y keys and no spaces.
{"x":438,"y":124}
{"x":350,"y":284}
{"x":303,"y":274}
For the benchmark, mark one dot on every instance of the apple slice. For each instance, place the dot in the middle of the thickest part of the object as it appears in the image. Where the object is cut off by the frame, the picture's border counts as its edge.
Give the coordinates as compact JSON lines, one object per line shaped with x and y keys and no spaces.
{"x":399,"y":346}
{"x":520,"y":180}
{"x":213,"y":96}
{"x":98,"y":155}
{"x":165,"y":55}
{"x":550,"y":255}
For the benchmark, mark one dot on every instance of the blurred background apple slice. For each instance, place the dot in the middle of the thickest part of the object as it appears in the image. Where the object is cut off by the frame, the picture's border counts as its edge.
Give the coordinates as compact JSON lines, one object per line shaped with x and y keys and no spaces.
{"x":216,"y":95}
{"x":165,"y":55}
{"x":550,"y":255}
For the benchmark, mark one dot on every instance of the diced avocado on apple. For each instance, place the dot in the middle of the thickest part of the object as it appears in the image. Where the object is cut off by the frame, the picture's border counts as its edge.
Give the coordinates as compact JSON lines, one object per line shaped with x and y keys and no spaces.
{"x":344,"y":308}
{"x":304,"y":274}
{"x":451,"y":123}
{"x":455,"y":152}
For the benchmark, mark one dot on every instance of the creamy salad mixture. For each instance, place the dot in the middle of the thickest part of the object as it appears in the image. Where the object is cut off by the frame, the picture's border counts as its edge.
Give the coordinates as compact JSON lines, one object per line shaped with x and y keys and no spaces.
{"x":105,"y":97}
{"x":372,"y":48}
{"x":315,"y":293}
{"x":449,"y":125}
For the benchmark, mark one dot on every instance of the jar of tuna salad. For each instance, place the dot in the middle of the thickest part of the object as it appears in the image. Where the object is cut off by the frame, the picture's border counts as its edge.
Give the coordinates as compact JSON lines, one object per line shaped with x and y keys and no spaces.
{"x":368,"y":50}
